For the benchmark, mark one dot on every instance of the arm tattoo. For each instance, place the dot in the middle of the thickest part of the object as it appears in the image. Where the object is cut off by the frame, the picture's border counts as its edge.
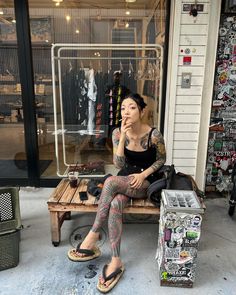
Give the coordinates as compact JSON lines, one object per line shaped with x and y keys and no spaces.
{"x":158,"y":141}
{"x":119,"y":161}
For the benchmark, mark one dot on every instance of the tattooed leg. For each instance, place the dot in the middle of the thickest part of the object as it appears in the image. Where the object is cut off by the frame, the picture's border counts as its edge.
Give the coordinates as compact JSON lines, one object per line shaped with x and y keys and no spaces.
{"x":115,"y":222}
{"x":115,"y":185}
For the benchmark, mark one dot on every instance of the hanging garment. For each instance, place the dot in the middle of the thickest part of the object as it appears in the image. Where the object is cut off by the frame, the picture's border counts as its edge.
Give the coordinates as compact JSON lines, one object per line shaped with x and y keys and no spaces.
{"x":100,"y":114}
{"x":130,"y":82}
{"x":70,"y":98}
{"x":92,"y":95}
{"x":115,"y":94}
{"x":83,"y":98}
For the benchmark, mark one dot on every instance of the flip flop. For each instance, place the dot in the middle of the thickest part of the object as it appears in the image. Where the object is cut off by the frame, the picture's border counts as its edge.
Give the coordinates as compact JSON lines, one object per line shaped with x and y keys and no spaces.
{"x":116,"y":275}
{"x":89,"y":254}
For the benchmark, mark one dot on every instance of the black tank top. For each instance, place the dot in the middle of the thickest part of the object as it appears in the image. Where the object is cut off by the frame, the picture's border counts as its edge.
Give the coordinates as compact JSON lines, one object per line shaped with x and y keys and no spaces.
{"x":140,"y":159}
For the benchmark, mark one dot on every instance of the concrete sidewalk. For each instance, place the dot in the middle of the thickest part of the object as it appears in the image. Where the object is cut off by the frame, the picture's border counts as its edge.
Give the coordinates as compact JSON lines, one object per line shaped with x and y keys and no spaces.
{"x":45,"y":269}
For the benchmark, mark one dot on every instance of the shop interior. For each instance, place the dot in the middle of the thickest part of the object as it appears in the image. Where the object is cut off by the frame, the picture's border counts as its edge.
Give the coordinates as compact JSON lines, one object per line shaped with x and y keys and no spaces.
{"x":83,"y":88}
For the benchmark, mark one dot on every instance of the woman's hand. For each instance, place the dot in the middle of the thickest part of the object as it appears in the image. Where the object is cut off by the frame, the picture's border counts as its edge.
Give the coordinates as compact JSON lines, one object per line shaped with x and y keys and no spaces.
{"x":137,"y":181}
{"x":125,"y":126}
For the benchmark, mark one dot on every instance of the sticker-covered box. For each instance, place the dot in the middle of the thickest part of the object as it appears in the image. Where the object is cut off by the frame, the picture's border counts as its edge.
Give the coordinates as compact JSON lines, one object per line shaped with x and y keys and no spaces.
{"x":179,"y":234}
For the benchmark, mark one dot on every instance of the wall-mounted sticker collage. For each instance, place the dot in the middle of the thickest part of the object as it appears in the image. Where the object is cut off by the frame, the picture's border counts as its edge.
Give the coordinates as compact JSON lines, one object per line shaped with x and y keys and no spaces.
{"x":222,"y":129}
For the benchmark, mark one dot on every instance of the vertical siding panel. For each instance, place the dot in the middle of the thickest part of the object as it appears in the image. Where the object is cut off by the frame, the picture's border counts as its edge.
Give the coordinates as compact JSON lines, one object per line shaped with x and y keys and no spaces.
{"x":192,"y":42}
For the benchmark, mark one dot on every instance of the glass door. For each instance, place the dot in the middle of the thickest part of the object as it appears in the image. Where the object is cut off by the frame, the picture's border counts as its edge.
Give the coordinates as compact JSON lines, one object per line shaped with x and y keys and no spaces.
{"x":13,"y":162}
{"x":86,"y":113}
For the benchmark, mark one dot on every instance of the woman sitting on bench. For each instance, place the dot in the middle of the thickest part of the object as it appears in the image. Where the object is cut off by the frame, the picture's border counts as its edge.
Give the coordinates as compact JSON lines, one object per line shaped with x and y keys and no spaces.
{"x":139,"y":152}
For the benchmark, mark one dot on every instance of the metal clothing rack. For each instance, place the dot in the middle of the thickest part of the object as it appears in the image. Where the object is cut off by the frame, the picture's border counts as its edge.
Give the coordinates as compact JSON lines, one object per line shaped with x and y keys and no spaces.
{"x":58,"y":52}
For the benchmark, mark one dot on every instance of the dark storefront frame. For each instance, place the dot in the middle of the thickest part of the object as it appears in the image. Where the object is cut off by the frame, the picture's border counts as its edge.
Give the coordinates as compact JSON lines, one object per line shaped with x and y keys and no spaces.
{"x":25,"y":61}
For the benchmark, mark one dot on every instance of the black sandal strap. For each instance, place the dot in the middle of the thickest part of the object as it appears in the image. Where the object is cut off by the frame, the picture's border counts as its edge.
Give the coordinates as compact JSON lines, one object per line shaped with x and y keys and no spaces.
{"x":112,"y":275}
{"x":84,"y":251}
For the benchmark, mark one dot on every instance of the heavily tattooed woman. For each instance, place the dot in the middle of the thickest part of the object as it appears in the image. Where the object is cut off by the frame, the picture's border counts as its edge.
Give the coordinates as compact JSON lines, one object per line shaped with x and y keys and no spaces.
{"x":139,"y":152}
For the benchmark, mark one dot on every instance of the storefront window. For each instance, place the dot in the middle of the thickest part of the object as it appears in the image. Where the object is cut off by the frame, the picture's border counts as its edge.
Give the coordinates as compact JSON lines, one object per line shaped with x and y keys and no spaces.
{"x":12,"y":148}
{"x":81,"y":86}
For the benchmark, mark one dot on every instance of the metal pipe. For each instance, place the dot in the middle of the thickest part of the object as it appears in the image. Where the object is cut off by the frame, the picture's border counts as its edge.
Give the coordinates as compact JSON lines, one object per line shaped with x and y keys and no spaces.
{"x":60,"y":47}
{"x":105,"y":58}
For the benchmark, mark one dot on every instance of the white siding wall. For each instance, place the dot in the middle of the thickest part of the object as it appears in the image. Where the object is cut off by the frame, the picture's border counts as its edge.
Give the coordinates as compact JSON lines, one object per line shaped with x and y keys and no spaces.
{"x":188,"y":101}
{"x":184,"y":106}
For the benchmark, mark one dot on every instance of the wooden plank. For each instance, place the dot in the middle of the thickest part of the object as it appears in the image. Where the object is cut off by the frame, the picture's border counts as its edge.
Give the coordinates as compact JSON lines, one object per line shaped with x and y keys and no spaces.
{"x":190,"y":145}
{"x":201,"y":19}
{"x":148,"y":203}
{"x":180,"y":127}
{"x":194,"y":90}
{"x":93,"y":208}
{"x":91,"y":200}
{"x":182,"y":154}
{"x":67,"y":195}
{"x":190,"y":99}
{"x":196,"y":61}
{"x":58,"y":192}
{"x":187,"y":118}
{"x":137,"y":203}
{"x":186,"y":136}
{"x":194,"y":50}
{"x":142,"y":210}
{"x":82,"y":187}
{"x":195,"y":70}
{"x":185,"y":162}
{"x":55,"y":227}
{"x":193,"y":29}
{"x":190,"y":40}
{"x":188,"y":109}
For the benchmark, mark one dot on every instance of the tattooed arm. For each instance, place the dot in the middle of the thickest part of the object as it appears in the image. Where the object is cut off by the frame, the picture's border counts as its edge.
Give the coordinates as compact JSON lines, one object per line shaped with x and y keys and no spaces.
{"x":118,"y":149}
{"x":158,"y":141}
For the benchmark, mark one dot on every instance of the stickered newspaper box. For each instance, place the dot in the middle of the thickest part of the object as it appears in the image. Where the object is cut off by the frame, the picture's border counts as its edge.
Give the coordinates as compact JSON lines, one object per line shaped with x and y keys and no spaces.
{"x":179,"y":234}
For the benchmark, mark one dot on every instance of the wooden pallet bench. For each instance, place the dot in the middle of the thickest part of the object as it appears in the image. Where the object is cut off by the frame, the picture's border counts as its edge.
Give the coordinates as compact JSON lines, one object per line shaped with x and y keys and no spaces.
{"x":65,"y":199}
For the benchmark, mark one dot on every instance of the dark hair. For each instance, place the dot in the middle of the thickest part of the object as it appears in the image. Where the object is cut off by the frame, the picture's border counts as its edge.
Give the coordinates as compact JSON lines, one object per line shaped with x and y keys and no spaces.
{"x":138,"y":99}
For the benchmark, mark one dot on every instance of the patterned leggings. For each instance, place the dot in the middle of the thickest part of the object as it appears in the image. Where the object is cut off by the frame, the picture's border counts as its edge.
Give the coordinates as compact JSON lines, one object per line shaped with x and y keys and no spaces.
{"x":115,"y":195}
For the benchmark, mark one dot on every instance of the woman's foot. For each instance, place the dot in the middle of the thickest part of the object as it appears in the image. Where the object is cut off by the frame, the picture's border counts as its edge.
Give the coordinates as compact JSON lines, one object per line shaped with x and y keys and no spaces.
{"x":89,"y":242}
{"x":86,"y":250}
{"x":113,"y":266}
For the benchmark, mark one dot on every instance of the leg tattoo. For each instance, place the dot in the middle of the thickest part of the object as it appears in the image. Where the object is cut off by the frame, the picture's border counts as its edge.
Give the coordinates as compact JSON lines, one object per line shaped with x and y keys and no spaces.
{"x":115,"y":185}
{"x":115,"y":222}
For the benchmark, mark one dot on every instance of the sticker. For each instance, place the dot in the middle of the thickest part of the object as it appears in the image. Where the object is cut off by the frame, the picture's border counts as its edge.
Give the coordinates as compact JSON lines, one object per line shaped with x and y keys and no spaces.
{"x":171,"y":244}
{"x":171,"y":267}
{"x":172,"y":253}
{"x":223,"y":78}
{"x":192,"y":235}
{"x":223,"y":31}
{"x":167,"y":234}
{"x":197,"y":220}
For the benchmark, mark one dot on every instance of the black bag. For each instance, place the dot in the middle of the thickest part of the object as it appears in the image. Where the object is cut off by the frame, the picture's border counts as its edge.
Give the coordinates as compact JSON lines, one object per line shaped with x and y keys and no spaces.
{"x":94,"y":186}
{"x":172,"y":180}
{"x":154,"y":189}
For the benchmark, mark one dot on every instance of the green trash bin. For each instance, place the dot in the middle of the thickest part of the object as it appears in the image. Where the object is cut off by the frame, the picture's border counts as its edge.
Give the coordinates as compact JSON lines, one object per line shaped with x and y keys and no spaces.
{"x":9,"y":209}
{"x":9,"y":249}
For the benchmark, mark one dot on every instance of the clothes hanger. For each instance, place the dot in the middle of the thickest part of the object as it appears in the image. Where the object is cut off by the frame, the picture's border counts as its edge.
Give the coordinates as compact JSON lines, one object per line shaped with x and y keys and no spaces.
{"x":109,"y":67}
{"x":81,"y":65}
{"x":131,"y":69}
{"x":70,"y":66}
